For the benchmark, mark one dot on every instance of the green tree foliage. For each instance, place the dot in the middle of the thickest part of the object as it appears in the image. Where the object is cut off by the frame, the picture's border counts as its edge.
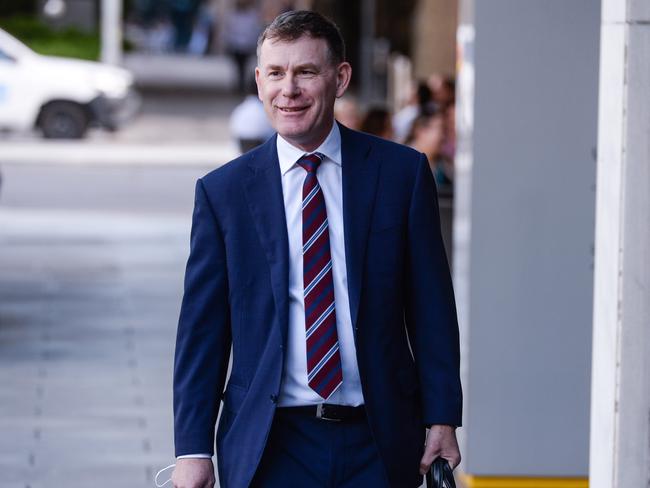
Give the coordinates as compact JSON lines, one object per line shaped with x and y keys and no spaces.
{"x":43,"y":39}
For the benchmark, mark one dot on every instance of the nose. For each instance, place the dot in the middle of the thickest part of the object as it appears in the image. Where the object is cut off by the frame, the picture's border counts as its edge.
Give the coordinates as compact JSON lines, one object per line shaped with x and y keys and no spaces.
{"x":290,"y":88}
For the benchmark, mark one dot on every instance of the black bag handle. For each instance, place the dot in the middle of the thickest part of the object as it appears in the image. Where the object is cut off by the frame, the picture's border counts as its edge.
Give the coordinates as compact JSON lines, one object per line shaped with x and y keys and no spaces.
{"x":440,"y":475}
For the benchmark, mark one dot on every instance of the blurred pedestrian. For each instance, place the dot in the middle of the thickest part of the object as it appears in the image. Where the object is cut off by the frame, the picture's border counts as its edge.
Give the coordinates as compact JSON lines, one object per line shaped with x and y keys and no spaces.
{"x":201,"y":40}
{"x":448,"y":149}
{"x":443,"y":89}
{"x":248,"y":122}
{"x":346,"y":111}
{"x":420,"y":101}
{"x":182,"y":14}
{"x":242,"y":28}
{"x":316,"y":260}
{"x":378,"y":122}
{"x":427,"y":136}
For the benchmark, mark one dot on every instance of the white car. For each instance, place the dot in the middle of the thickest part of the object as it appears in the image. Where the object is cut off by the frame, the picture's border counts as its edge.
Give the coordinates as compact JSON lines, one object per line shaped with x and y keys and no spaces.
{"x":59,"y":96}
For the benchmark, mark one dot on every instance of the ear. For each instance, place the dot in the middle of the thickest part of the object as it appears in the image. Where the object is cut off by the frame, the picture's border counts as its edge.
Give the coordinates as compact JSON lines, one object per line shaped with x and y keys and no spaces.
{"x":343,"y":76}
{"x":258,"y":76}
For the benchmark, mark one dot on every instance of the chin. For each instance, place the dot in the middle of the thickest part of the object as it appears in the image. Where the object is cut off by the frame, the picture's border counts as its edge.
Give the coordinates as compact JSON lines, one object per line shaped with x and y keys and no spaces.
{"x":292,"y":131}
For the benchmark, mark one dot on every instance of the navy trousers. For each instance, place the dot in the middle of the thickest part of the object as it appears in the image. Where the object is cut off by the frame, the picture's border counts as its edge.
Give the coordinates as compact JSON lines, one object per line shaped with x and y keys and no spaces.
{"x":306,"y":452}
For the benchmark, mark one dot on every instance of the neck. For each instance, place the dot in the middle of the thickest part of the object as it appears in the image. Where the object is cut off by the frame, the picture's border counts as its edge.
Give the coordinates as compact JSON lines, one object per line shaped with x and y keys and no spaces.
{"x":312,"y":144}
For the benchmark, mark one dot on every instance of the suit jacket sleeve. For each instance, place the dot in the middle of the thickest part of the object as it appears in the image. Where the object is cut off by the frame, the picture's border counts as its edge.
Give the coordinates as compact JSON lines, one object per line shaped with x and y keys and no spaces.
{"x":430,"y":306}
{"x":203,"y":338}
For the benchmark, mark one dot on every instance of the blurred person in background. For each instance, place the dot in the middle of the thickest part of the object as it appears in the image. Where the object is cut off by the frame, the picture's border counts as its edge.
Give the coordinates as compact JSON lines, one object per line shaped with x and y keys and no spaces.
{"x":378,"y":122}
{"x":202,"y":34}
{"x":248,"y":122}
{"x":148,"y":27}
{"x":242,"y":28}
{"x":443,"y":89}
{"x":448,"y":150}
{"x":183,"y":14}
{"x":346,"y":111}
{"x":317,"y":261}
{"x":421,"y":100}
{"x":146,"y":12}
{"x":428,"y":136}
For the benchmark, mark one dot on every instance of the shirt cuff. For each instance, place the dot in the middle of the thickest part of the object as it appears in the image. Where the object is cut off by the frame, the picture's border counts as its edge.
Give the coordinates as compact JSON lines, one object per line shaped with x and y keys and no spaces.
{"x":194,"y":456}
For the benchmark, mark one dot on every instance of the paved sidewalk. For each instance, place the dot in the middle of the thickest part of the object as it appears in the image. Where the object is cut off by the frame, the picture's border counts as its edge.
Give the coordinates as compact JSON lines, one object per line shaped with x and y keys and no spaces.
{"x":88,"y":310}
{"x":119,"y":153}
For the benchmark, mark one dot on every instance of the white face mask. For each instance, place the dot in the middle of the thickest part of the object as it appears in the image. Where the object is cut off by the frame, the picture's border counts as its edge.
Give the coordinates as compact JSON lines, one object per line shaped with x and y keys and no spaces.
{"x":155,"y":480}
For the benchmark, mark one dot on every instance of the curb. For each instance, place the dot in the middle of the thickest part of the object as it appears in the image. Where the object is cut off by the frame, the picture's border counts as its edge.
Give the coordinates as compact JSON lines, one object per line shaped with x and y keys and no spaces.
{"x":80,"y":153}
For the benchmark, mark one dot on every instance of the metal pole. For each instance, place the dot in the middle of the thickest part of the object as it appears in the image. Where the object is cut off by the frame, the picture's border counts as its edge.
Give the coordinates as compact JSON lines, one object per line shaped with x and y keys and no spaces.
{"x":111,"y":31}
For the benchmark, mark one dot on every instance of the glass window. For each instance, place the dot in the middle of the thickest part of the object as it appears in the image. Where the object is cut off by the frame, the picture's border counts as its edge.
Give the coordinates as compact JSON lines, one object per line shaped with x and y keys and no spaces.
{"x":4,"y":56}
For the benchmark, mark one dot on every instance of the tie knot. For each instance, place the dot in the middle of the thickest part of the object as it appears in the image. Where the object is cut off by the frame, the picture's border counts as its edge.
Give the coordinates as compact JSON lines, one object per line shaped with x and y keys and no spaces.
{"x":310,"y":162}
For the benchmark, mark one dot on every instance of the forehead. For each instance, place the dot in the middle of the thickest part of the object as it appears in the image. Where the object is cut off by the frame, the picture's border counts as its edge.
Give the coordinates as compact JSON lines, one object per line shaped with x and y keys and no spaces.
{"x":303,"y":50}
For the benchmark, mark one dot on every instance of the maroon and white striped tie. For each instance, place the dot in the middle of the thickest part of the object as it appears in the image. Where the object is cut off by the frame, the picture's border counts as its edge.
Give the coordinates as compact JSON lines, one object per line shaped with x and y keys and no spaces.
{"x":324,"y":371}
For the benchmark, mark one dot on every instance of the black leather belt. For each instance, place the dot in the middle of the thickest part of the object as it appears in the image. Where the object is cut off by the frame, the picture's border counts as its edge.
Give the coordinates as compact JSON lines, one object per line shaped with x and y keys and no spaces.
{"x":325,"y":411}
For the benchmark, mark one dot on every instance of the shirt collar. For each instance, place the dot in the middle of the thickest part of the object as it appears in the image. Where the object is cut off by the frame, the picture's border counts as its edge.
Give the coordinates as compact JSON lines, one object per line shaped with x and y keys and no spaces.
{"x":289,"y":154}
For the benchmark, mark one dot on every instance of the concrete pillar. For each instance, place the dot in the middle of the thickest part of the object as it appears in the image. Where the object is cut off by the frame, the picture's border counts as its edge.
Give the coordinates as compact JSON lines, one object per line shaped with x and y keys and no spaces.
{"x":620,"y":412}
{"x":523,"y":238}
{"x":111,"y":31}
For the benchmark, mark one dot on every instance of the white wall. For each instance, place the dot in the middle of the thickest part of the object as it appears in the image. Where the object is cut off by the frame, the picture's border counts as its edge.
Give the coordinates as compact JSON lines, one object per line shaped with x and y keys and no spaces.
{"x":620,"y":423}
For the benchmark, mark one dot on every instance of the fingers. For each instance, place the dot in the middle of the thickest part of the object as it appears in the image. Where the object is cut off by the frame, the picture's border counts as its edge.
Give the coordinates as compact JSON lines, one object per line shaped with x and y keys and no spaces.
{"x":427,"y":461}
{"x":441,"y":442}
{"x":425,"y":464}
{"x":431,"y":452}
{"x":453,"y":461}
{"x":193,"y":473}
{"x":191,"y":484}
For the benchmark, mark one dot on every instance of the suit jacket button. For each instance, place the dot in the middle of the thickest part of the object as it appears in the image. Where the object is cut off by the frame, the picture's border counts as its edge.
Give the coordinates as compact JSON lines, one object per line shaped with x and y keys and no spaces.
{"x":274,"y":398}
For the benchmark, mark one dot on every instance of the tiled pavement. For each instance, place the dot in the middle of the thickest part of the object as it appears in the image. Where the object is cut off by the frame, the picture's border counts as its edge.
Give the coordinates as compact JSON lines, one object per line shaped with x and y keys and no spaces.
{"x":88,"y":310}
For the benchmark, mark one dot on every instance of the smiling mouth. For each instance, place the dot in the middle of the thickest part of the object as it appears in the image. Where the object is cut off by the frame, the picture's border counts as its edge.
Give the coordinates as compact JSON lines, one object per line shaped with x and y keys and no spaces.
{"x":292,"y":109}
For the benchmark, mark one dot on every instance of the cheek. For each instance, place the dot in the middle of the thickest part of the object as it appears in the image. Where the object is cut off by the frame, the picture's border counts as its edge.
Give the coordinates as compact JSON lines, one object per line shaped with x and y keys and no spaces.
{"x":270,"y":102}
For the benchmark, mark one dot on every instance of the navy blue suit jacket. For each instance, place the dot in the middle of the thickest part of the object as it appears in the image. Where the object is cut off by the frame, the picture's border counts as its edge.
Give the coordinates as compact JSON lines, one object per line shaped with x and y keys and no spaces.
{"x":236,"y":299}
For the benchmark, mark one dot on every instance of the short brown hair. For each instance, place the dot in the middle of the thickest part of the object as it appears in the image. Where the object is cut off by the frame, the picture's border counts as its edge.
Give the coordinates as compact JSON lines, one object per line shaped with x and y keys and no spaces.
{"x":294,"y":24}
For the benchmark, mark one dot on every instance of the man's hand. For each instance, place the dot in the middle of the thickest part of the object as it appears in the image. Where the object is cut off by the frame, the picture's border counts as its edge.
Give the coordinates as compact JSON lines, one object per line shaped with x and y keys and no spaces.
{"x":193,"y":473}
{"x":441,"y":442}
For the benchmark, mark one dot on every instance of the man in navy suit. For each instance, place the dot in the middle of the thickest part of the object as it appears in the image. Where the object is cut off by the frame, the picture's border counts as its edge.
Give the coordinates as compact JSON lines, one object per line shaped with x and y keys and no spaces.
{"x":316,"y":261}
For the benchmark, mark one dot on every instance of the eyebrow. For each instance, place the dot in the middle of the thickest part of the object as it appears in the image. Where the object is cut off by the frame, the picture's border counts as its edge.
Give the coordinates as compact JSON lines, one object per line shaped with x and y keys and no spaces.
{"x":311,"y":66}
{"x":277,"y":67}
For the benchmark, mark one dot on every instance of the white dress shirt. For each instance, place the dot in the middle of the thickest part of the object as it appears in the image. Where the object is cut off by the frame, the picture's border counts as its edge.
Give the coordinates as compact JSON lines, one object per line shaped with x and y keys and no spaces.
{"x":294,"y":390}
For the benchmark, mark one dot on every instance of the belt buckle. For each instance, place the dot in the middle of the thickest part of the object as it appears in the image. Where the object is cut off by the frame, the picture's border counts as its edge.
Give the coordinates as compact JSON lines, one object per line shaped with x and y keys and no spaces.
{"x":321,"y":413}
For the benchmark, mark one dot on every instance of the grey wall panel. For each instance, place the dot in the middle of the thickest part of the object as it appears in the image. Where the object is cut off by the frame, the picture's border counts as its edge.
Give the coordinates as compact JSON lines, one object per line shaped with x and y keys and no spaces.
{"x":530,"y":276}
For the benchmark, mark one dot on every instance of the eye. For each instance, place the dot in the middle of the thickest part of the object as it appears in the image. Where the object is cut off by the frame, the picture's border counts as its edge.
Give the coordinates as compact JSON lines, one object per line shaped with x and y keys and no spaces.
{"x":274,"y":74}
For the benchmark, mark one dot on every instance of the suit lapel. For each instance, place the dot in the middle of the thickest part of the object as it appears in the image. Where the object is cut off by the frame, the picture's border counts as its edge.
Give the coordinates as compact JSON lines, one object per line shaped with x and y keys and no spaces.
{"x":360,"y":174}
{"x":263,"y":189}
